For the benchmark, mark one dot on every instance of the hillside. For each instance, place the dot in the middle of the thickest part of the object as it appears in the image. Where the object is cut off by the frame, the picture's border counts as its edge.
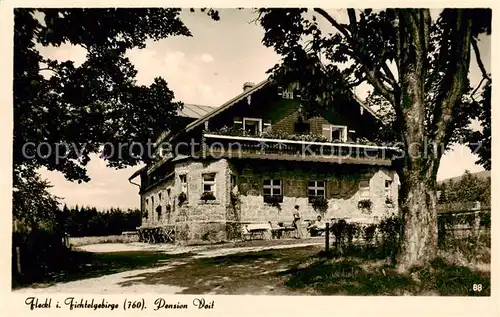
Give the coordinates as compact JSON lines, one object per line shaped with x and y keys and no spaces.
{"x":482,"y":174}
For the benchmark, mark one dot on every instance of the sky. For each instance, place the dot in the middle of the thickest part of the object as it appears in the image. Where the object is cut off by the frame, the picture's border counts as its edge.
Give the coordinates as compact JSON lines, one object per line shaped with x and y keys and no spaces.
{"x":208,"y":68}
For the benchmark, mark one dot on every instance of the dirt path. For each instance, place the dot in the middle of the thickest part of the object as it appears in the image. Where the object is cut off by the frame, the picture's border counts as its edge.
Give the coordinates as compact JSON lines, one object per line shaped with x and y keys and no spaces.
{"x":153,"y":280}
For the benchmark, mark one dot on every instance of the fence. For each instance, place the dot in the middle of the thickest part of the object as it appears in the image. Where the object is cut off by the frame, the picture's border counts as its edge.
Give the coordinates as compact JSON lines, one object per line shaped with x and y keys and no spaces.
{"x":463,"y":222}
{"x":460,"y":226}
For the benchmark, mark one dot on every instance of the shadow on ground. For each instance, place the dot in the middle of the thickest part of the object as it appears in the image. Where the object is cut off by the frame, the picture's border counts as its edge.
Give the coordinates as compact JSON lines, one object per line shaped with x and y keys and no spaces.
{"x":299,"y":271}
{"x":80,"y":265}
{"x":290,"y":271}
{"x":243,"y":273}
{"x":353,"y":276}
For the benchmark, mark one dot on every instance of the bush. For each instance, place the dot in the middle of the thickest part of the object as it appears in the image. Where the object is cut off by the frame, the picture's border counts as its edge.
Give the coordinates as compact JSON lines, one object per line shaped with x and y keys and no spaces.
{"x":274,"y":200}
{"x":390,"y":229}
{"x":485,"y":220}
{"x":351,"y":231}
{"x":320,"y":204}
{"x":365,"y":204}
{"x":182,"y":198}
{"x":235,"y":199}
{"x":338,"y":230}
{"x":41,"y":253}
{"x":206,"y":196}
{"x":369,"y":233}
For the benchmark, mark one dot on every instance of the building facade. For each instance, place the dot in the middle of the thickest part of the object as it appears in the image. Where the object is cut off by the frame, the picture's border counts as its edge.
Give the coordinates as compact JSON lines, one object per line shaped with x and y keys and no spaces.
{"x":253,"y":159}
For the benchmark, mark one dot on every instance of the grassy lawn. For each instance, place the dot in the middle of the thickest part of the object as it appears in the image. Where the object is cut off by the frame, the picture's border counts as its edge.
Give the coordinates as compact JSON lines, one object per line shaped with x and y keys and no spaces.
{"x":79,"y":241}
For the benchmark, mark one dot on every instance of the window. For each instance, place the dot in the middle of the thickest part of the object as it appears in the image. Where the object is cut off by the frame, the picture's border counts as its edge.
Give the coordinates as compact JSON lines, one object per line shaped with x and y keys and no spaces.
{"x":152,"y":207}
{"x":302,"y":127}
{"x":316,"y":188}
{"x":273,"y":187}
{"x":209,"y":183}
{"x":158,"y":212}
{"x":364,"y":189}
{"x":252,"y":126}
{"x":335,"y":133}
{"x":184,"y":186}
{"x":388,"y":185}
{"x":159,"y":198}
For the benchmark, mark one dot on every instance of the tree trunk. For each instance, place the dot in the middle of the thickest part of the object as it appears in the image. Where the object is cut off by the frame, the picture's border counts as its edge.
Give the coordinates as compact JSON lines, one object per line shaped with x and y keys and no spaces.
{"x":418,"y":245}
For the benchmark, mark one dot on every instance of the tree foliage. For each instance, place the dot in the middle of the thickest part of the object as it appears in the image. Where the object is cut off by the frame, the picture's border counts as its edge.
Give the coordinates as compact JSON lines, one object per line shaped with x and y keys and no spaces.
{"x":89,"y":221}
{"x":33,"y":205}
{"x":329,"y":62}
{"x":417,"y":67}
{"x":97,"y":103}
{"x":469,"y":188}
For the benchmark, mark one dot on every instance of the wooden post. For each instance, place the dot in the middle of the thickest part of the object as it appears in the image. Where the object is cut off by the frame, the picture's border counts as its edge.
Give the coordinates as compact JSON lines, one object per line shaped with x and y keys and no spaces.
{"x":327,"y":237}
{"x":477,"y":216}
{"x":18,"y":259}
{"x":477,"y":221}
{"x":18,"y":250}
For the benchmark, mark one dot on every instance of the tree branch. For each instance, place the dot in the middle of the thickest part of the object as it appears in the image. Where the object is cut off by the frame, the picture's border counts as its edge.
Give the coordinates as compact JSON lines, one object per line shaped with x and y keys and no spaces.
{"x":389,"y":74}
{"x":379,"y":85}
{"x":372,"y":74}
{"x":426,"y":26}
{"x":477,"y":88}
{"x":334,"y":22}
{"x":453,"y":88}
{"x":478,"y":59}
{"x":352,"y":22}
{"x":357,"y":82}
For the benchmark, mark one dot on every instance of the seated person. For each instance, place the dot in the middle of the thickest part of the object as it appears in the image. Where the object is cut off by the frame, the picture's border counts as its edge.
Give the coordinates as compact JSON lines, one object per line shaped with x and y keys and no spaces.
{"x":317,"y":226}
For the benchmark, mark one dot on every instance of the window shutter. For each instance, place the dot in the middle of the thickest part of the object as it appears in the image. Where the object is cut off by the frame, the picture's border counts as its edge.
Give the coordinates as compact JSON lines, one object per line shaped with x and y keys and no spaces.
{"x":327,"y":131}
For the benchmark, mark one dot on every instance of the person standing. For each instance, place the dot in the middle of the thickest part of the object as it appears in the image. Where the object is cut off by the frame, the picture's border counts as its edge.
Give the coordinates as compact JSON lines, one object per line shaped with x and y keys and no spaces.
{"x":296,"y":222}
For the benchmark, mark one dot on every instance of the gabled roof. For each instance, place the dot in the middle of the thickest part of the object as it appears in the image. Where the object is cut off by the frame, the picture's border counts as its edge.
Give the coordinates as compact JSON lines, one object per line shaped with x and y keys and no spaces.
{"x":204,"y":113}
{"x":247,"y":93}
{"x":218,"y":110}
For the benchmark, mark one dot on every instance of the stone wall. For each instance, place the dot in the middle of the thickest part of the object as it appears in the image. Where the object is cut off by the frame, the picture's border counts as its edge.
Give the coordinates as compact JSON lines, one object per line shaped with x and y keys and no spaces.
{"x":342,"y":193}
{"x":150,"y":200}
{"x":213,"y":221}
{"x":196,"y":220}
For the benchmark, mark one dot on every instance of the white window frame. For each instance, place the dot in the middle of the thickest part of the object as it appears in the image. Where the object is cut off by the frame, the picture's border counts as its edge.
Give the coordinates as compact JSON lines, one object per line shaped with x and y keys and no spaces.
{"x":364,"y":191}
{"x":213,"y":183}
{"x":286,"y":93}
{"x":169,"y":194}
{"x":184,"y":184}
{"x":316,"y":188}
{"x":259,"y":120}
{"x":388,"y":188}
{"x":331,"y":127}
{"x":272,"y":186}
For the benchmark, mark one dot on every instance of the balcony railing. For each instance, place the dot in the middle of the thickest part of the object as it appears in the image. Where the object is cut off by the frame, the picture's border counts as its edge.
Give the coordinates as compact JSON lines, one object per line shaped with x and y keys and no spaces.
{"x":282,"y":149}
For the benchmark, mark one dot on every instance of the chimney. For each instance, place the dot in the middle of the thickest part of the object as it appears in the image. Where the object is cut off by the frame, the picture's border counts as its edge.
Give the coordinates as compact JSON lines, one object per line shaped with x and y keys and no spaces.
{"x":248,"y":85}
